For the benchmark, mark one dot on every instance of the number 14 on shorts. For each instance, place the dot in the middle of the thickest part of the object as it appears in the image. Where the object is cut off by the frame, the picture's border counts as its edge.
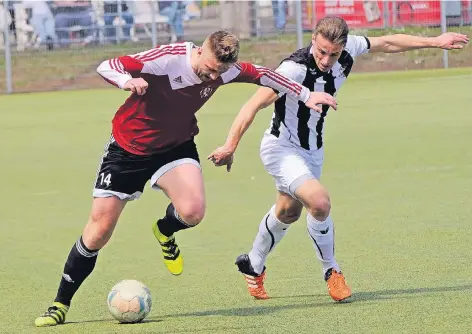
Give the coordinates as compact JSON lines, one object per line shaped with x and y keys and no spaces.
{"x":105,"y":179}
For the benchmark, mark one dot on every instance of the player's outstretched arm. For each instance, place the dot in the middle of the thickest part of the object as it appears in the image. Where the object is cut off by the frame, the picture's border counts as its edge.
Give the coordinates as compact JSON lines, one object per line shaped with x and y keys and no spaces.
{"x":402,"y":42}
{"x":263,"y":76}
{"x":223,"y":156}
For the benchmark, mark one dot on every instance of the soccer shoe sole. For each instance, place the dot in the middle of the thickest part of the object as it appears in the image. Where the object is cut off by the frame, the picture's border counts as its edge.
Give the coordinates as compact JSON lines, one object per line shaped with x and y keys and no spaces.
{"x":45,"y":322}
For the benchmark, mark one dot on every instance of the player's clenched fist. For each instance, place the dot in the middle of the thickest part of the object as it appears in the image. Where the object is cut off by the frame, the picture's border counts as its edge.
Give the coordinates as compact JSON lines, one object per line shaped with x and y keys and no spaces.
{"x":317,"y":98}
{"x":136,"y":85}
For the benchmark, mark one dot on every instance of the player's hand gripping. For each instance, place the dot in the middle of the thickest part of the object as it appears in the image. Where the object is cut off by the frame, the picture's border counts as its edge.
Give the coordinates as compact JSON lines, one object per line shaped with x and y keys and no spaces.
{"x":318,"y":98}
{"x":136,"y":85}
{"x":222,"y":156}
{"x":451,"y":40}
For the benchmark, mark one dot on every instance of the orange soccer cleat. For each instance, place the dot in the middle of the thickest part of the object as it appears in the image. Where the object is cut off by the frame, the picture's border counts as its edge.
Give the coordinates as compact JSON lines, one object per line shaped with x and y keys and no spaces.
{"x":337,"y":287}
{"x":255,"y":282}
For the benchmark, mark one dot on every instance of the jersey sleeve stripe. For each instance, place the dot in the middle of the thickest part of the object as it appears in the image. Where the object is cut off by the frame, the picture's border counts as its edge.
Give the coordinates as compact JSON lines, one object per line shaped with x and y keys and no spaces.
{"x":181,"y":53}
{"x":117,"y":66}
{"x":281,"y":80}
{"x":295,"y":90}
{"x":161,"y":52}
{"x":157,"y":51}
{"x":288,"y":82}
{"x":152,"y":51}
{"x":121,"y":66}
{"x":112,"y":65}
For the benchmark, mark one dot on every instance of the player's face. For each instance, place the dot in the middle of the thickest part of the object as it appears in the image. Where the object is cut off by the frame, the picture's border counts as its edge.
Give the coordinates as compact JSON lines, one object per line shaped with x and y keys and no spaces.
{"x":326,"y":54}
{"x":208,"y":68}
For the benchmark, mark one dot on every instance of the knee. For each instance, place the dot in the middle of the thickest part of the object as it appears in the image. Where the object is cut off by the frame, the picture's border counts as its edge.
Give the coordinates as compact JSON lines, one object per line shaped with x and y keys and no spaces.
{"x":320,"y":206}
{"x":192,"y":213}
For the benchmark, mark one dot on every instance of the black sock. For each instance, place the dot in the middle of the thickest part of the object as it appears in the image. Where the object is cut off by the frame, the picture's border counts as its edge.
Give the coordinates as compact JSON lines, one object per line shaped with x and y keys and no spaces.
{"x":171,"y":222}
{"x":79,"y":265}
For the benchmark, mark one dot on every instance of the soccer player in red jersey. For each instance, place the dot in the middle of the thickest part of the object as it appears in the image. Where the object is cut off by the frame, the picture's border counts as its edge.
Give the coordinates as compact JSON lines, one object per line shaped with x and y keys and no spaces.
{"x":153,"y":139}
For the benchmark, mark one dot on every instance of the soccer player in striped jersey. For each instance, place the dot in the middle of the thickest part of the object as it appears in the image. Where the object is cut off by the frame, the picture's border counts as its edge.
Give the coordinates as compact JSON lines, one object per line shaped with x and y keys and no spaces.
{"x":153,"y":139}
{"x":292,"y":147}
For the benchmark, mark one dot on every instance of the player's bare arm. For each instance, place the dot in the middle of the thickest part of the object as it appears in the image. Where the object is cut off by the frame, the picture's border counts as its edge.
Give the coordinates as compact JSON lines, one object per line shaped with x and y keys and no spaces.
{"x":223,"y":155}
{"x":263,"y":98}
{"x":402,"y":42}
{"x":263,"y":76}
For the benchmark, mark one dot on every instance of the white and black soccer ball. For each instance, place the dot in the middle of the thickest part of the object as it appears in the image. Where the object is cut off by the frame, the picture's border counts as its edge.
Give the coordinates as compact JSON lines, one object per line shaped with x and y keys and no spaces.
{"x":129,"y":301}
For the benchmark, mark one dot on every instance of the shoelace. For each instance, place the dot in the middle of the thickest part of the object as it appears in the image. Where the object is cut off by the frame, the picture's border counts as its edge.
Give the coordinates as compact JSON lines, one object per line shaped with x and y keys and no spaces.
{"x":255,"y":280}
{"x":338,"y":280}
{"x":171,"y":246}
{"x":257,"y":290}
{"x":52,"y":309}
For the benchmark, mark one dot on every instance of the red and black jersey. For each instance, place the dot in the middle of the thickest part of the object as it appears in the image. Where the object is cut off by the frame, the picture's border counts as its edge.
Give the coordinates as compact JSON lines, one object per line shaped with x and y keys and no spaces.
{"x":164,"y":117}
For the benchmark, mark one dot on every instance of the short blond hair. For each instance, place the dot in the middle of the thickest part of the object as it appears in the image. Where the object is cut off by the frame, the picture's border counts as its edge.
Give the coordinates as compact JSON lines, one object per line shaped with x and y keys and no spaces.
{"x":333,"y":28}
{"x":224,"y":46}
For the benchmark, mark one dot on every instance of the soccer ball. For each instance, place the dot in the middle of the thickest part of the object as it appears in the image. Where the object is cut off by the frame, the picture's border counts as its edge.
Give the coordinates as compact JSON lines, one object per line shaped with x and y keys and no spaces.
{"x":129,"y":301}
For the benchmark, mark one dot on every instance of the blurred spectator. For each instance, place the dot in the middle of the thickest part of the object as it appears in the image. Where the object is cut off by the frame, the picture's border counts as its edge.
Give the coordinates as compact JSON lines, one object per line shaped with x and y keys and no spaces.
{"x":111,"y":13}
{"x":75,"y":13}
{"x":11,"y":10}
{"x":25,"y":33}
{"x":192,"y":11}
{"x":279,"y":8}
{"x":175,"y":11}
{"x":42,"y":21}
{"x":3,"y":23}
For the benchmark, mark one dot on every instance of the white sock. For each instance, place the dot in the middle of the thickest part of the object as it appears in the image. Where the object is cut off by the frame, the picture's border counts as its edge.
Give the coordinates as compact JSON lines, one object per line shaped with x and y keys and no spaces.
{"x":322,"y":234}
{"x":271,"y":231}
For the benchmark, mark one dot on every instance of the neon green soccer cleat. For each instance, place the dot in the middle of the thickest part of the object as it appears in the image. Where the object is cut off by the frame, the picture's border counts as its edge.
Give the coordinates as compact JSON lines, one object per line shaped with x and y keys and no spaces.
{"x":55,"y":315}
{"x":170,"y":251}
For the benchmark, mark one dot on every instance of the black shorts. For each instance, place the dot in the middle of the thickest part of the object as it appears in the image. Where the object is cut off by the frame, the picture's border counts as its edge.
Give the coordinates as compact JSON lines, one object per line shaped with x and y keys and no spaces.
{"x":124,"y":174}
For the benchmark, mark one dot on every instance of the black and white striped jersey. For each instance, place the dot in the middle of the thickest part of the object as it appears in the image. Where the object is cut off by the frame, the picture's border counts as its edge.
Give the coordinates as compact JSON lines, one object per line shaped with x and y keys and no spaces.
{"x":291,"y":118}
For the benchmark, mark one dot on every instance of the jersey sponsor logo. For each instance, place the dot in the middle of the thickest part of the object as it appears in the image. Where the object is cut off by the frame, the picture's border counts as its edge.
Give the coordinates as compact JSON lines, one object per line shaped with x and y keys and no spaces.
{"x":178,"y":79}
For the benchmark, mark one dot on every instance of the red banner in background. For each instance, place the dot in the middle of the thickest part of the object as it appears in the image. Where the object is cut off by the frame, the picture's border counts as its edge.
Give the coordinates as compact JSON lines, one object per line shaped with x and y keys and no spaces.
{"x":415,"y":13}
{"x":370,"y":14}
{"x":366,"y":14}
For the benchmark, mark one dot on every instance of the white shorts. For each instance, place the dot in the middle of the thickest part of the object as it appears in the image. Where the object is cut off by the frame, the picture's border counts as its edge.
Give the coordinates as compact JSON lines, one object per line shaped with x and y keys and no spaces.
{"x":289,"y":164}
